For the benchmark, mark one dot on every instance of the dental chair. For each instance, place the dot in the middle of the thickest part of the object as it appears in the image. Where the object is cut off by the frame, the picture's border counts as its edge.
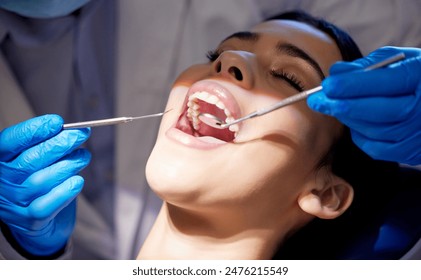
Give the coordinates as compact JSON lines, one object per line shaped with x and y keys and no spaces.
{"x":388,"y":229}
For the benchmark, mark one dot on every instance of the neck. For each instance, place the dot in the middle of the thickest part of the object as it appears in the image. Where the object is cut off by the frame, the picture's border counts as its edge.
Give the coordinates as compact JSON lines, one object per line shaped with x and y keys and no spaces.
{"x":184,"y":234}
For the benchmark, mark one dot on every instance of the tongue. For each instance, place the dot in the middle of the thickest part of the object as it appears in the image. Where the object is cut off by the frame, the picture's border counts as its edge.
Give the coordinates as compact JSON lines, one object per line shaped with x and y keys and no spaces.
{"x":222,"y":134}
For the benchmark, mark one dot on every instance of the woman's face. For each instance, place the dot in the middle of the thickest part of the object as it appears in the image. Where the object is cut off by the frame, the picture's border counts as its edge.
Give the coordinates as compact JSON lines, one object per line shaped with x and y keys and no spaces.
{"x":259,"y":165}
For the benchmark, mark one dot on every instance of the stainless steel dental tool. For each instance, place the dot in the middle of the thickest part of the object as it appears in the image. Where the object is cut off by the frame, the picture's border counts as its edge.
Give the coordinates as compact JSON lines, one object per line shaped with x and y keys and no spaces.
{"x":215,"y":122}
{"x":111,"y":121}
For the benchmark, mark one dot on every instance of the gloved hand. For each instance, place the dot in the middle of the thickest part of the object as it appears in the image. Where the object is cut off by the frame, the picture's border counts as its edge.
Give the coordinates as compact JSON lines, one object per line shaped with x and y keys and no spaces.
{"x":381,"y":107}
{"x":38,"y":182}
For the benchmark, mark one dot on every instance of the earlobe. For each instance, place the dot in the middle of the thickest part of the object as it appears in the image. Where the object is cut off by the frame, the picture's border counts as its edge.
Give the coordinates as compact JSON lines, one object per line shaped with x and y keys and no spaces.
{"x":329,"y":201}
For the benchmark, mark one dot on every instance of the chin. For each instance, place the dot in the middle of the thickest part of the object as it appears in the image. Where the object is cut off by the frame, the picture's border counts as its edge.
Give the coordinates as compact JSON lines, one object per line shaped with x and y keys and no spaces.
{"x":172,"y":180}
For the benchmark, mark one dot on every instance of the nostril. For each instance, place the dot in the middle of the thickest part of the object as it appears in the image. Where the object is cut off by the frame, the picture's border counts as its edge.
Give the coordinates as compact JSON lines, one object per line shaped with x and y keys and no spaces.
{"x":218,"y":67}
{"x":236,"y":73}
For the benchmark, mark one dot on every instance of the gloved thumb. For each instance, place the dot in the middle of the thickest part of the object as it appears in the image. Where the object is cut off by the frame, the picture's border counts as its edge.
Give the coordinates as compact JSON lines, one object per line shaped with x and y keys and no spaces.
{"x":401,"y":78}
{"x":344,"y":67}
{"x":24,"y":135}
{"x":373,"y":58}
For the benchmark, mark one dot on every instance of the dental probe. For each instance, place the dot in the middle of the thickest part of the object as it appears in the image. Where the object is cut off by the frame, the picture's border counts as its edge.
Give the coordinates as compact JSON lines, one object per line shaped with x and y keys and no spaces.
{"x":111,"y":121}
{"x":215,"y":122}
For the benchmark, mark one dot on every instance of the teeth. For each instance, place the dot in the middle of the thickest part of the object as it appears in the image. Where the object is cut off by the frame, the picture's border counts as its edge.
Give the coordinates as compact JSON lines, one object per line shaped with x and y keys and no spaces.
{"x":212,"y":99}
{"x":221,"y":106}
{"x":229,"y":119}
{"x":193,"y":110}
{"x":234,"y":128}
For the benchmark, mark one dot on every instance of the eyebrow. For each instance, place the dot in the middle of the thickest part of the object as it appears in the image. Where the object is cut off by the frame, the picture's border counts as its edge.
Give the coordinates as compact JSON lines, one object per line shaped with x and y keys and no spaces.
{"x":295,"y":51}
{"x":283,"y":48}
{"x":244,"y":36}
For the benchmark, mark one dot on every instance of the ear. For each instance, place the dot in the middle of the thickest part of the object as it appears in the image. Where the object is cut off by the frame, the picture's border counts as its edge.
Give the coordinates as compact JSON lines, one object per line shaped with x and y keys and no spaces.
{"x":329,"y":200}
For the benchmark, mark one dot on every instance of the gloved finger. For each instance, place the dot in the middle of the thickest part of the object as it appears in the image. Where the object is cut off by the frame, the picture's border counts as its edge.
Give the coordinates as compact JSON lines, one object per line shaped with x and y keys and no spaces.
{"x":358,"y":118}
{"x":66,"y":218}
{"x":382,"y":54}
{"x":361,"y":63}
{"x":44,"y":154}
{"x":403,"y":151}
{"x":54,"y":236}
{"x":344,"y":67}
{"x":382,"y":110}
{"x":319,"y":102}
{"x":371,"y":59}
{"x":397,"y":79}
{"x":389,"y":132}
{"x":42,"y":210}
{"x":48,"y":206}
{"x":45,"y":180}
{"x":21,"y":136}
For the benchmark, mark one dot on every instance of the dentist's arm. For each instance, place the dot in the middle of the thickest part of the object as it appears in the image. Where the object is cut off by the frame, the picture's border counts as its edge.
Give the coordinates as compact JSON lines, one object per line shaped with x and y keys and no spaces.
{"x":381,"y":107}
{"x":39,"y":163}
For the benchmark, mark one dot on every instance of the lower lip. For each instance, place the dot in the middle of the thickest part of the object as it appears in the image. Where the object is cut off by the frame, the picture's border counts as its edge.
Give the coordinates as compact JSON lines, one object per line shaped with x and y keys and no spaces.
{"x":190,"y":141}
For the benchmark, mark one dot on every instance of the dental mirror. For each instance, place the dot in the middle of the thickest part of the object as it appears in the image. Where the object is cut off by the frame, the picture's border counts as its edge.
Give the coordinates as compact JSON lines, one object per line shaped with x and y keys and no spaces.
{"x":212,"y":120}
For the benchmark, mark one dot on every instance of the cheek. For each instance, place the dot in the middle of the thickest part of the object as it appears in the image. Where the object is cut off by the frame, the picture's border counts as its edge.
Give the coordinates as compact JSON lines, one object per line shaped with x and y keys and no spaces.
{"x":176,"y":98}
{"x":269,"y":178}
{"x":322,"y":133}
{"x":174,"y":106}
{"x":306,"y":138}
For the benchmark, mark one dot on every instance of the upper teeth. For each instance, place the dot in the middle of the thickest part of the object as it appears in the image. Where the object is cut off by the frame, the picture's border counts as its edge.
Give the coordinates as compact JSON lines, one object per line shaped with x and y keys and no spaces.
{"x":193,"y":109}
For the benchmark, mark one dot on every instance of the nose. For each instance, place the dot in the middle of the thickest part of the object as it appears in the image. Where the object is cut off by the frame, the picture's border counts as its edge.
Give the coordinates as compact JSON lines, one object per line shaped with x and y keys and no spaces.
{"x":235,"y":66}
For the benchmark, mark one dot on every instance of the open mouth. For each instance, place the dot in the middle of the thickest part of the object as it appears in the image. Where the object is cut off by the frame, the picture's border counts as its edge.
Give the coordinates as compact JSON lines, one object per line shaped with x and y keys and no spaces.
{"x":211,"y":102}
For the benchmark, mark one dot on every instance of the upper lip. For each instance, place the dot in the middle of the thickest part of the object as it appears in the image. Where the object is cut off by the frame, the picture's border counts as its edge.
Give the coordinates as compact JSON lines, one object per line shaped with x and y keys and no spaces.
{"x":216,"y":89}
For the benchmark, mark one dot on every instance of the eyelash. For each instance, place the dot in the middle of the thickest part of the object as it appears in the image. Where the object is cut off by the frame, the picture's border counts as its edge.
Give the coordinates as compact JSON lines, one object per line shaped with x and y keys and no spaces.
{"x":290,"y":78}
{"x":213,"y":55}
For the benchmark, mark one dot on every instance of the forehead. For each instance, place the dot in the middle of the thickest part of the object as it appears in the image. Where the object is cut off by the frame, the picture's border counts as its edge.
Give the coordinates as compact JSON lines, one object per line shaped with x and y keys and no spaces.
{"x":313,"y":41}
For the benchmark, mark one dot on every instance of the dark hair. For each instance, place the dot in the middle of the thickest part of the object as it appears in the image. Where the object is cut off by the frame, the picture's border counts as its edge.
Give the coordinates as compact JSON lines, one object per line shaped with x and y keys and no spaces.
{"x":371,"y":179}
{"x":348,"y":48}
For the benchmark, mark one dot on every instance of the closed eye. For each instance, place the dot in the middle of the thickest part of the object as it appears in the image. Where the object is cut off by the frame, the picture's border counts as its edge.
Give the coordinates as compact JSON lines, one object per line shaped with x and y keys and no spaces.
{"x":289,"y":77}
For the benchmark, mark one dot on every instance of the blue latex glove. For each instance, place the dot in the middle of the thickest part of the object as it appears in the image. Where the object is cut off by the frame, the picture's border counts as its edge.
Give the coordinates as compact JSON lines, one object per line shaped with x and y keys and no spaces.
{"x":381,"y":107}
{"x":39,"y":163}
